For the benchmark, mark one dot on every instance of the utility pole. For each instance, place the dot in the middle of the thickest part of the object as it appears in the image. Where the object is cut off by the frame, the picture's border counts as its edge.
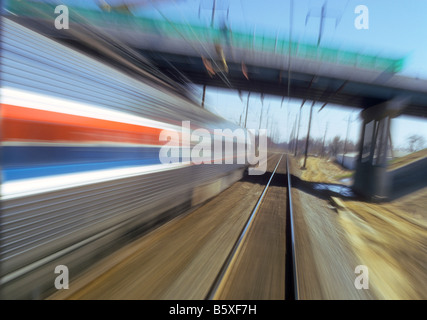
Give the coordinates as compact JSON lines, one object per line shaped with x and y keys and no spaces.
{"x":293,"y":135}
{"x":203,"y":97}
{"x":308,"y":135}
{"x":247,"y":105}
{"x":291,"y":9}
{"x":268,"y":116}
{"x":322,"y":17}
{"x":299,"y":121}
{"x":260,"y":117}
{"x":324,"y":138}
{"x":345,"y":142}
{"x":213,"y":13}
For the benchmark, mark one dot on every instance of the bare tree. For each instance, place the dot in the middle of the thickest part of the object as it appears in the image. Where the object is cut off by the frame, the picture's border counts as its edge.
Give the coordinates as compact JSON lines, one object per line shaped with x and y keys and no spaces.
{"x":335,"y":145}
{"x":416,"y":142}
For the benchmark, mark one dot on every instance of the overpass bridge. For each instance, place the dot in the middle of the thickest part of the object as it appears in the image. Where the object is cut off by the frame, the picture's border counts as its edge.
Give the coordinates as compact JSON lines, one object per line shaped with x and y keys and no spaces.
{"x":225,"y":58}
{"x":270,"y":65}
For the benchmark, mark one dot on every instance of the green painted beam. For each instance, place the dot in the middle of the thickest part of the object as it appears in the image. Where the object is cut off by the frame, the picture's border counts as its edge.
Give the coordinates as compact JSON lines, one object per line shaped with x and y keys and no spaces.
{"x":209,"y":35}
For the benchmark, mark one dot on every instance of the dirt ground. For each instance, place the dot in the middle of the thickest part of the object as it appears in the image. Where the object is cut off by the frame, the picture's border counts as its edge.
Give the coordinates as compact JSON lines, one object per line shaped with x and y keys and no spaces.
{"x":181,"y":259}
{"x":389,"y":238}
{"x":324,"y":256}
{"x":321,"y":170}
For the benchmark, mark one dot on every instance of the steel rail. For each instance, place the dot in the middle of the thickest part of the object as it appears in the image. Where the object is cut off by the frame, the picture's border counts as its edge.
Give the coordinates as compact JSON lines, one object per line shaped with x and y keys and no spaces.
{"x":292,"y":231}
{"x":212,"y":292}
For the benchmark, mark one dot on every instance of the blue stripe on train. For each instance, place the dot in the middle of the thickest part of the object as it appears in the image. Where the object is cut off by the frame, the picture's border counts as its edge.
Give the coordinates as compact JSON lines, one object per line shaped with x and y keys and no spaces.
{"x":44,"y":171}
{"x":14,"y":156}
{"x":23,"y":162}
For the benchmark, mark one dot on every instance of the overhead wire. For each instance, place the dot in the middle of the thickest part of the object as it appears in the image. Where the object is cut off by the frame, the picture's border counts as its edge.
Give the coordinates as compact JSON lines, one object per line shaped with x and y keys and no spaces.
{"x":221,"y":74}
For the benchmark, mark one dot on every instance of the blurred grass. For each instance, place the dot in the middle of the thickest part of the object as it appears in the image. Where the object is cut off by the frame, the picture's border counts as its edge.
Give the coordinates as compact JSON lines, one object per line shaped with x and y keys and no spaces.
{"x":344,"y":176}
{"x":403,"y":161}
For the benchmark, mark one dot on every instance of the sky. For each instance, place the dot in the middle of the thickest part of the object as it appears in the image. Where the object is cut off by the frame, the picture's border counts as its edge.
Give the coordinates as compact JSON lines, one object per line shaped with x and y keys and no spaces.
{"x":396,"y":29}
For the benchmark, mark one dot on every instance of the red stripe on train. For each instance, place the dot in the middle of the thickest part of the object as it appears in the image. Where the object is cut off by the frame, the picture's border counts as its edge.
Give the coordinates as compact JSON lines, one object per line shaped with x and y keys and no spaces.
{"x":28,"y":124}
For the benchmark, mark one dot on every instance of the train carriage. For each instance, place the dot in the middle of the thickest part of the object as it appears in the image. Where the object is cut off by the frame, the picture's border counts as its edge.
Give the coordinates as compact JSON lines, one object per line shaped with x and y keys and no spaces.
{"x":80,"y":158}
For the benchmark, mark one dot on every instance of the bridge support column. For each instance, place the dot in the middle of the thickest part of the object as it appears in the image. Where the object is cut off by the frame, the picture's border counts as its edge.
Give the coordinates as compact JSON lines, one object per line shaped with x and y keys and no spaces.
{"x":371,"y":179}
{"x":203,"y":97}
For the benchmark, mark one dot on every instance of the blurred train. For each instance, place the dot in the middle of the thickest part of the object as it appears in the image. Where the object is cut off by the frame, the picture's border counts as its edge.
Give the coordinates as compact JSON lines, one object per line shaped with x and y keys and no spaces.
{"x":80,"y":157}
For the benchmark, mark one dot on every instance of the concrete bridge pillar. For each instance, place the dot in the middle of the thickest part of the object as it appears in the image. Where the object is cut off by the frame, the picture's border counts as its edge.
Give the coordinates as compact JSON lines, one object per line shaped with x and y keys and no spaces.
{"x":371,"y":179}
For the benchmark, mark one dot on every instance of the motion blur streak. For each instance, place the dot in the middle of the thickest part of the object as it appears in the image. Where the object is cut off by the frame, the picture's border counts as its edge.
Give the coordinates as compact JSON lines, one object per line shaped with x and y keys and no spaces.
{"x":80,"y":156}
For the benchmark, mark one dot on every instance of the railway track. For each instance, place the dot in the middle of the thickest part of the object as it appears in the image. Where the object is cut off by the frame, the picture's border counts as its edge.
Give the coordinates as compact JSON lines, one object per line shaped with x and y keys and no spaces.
{"x":224,"y":250}
{"x":265,"y":250}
